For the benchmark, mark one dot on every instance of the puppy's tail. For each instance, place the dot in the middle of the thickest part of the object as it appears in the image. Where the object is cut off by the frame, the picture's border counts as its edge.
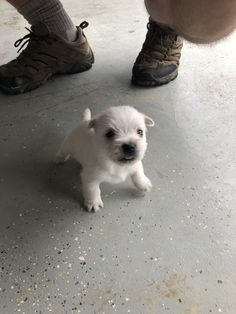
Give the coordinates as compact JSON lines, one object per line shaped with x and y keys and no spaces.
{"x":87,"y":115}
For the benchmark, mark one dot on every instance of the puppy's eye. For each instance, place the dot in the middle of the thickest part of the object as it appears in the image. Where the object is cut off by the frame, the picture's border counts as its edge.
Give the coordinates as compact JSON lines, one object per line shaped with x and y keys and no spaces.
{"x":140,"y":132}
{"x":110,"y":134}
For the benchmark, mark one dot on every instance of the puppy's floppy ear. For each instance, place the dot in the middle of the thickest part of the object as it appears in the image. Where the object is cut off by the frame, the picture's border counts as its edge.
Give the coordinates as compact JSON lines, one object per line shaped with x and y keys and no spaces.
{"x":148,"y":121}
{"x":92,"y":124}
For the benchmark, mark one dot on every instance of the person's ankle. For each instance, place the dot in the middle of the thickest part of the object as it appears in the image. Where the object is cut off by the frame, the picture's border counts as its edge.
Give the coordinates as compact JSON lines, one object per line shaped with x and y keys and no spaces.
{"x":71,"y":35}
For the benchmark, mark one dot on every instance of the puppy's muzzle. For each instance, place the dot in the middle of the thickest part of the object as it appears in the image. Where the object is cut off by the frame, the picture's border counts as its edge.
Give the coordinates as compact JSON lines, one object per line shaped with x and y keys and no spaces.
{"x":129,"y":152}
{"x":129,"y":149}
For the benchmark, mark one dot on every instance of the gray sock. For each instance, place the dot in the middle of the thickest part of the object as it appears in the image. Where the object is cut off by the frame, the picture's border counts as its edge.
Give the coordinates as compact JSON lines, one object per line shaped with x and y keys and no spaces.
{"x":52,"y":14}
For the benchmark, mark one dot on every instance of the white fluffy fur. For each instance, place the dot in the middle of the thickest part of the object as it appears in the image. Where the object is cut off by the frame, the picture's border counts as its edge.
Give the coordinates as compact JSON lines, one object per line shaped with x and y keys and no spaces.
{"x":99,"y":156}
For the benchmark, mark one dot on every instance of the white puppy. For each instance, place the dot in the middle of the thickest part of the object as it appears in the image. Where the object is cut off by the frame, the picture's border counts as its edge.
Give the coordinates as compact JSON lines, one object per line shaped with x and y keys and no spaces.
{"x":109,"y":147}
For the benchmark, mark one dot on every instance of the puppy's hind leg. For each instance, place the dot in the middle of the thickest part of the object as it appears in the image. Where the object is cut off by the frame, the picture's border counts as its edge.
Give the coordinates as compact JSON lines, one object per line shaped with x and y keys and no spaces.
{"x":63,"y":153}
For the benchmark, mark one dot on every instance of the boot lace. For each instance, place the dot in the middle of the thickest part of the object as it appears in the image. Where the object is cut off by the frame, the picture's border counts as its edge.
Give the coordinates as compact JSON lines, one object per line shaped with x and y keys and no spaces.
{"x":161,"y":40}
{"x":22,"y":42}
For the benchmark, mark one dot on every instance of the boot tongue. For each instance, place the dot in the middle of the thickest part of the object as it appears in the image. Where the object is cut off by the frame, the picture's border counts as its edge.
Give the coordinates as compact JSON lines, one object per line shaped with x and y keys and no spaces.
{"x":40,"y":29}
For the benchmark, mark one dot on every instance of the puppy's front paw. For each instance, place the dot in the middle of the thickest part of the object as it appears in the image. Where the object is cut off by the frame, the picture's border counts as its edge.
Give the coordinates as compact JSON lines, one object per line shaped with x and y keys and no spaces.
{"x":144,"y":185}
{"x":93,"y":205}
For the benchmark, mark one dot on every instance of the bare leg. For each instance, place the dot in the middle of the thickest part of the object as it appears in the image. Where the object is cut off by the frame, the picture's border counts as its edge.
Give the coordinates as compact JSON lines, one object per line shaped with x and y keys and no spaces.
{"x":199,"y":21}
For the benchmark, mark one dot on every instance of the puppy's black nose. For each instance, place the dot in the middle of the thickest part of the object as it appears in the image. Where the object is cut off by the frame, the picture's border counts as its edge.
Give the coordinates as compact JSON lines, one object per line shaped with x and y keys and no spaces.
{"x":129,"y":149}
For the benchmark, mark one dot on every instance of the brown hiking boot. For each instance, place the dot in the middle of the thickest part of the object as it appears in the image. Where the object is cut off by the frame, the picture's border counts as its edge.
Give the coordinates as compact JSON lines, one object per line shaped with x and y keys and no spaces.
{"x":158,"y":61}
{"x":45,"y":55}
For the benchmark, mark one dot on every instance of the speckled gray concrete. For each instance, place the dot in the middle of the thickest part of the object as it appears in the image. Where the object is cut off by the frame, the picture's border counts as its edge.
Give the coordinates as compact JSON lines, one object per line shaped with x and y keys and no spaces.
{"x":172,"y":251}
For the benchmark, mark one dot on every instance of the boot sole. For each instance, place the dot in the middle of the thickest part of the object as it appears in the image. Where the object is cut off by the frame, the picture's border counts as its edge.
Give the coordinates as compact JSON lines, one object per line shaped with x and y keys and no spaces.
{"x":77,"y":67}
{"x":152,"y":81}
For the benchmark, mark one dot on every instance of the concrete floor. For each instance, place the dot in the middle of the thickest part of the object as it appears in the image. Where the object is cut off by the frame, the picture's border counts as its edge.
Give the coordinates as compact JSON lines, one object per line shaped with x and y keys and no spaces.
{"x":172,"y":251}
